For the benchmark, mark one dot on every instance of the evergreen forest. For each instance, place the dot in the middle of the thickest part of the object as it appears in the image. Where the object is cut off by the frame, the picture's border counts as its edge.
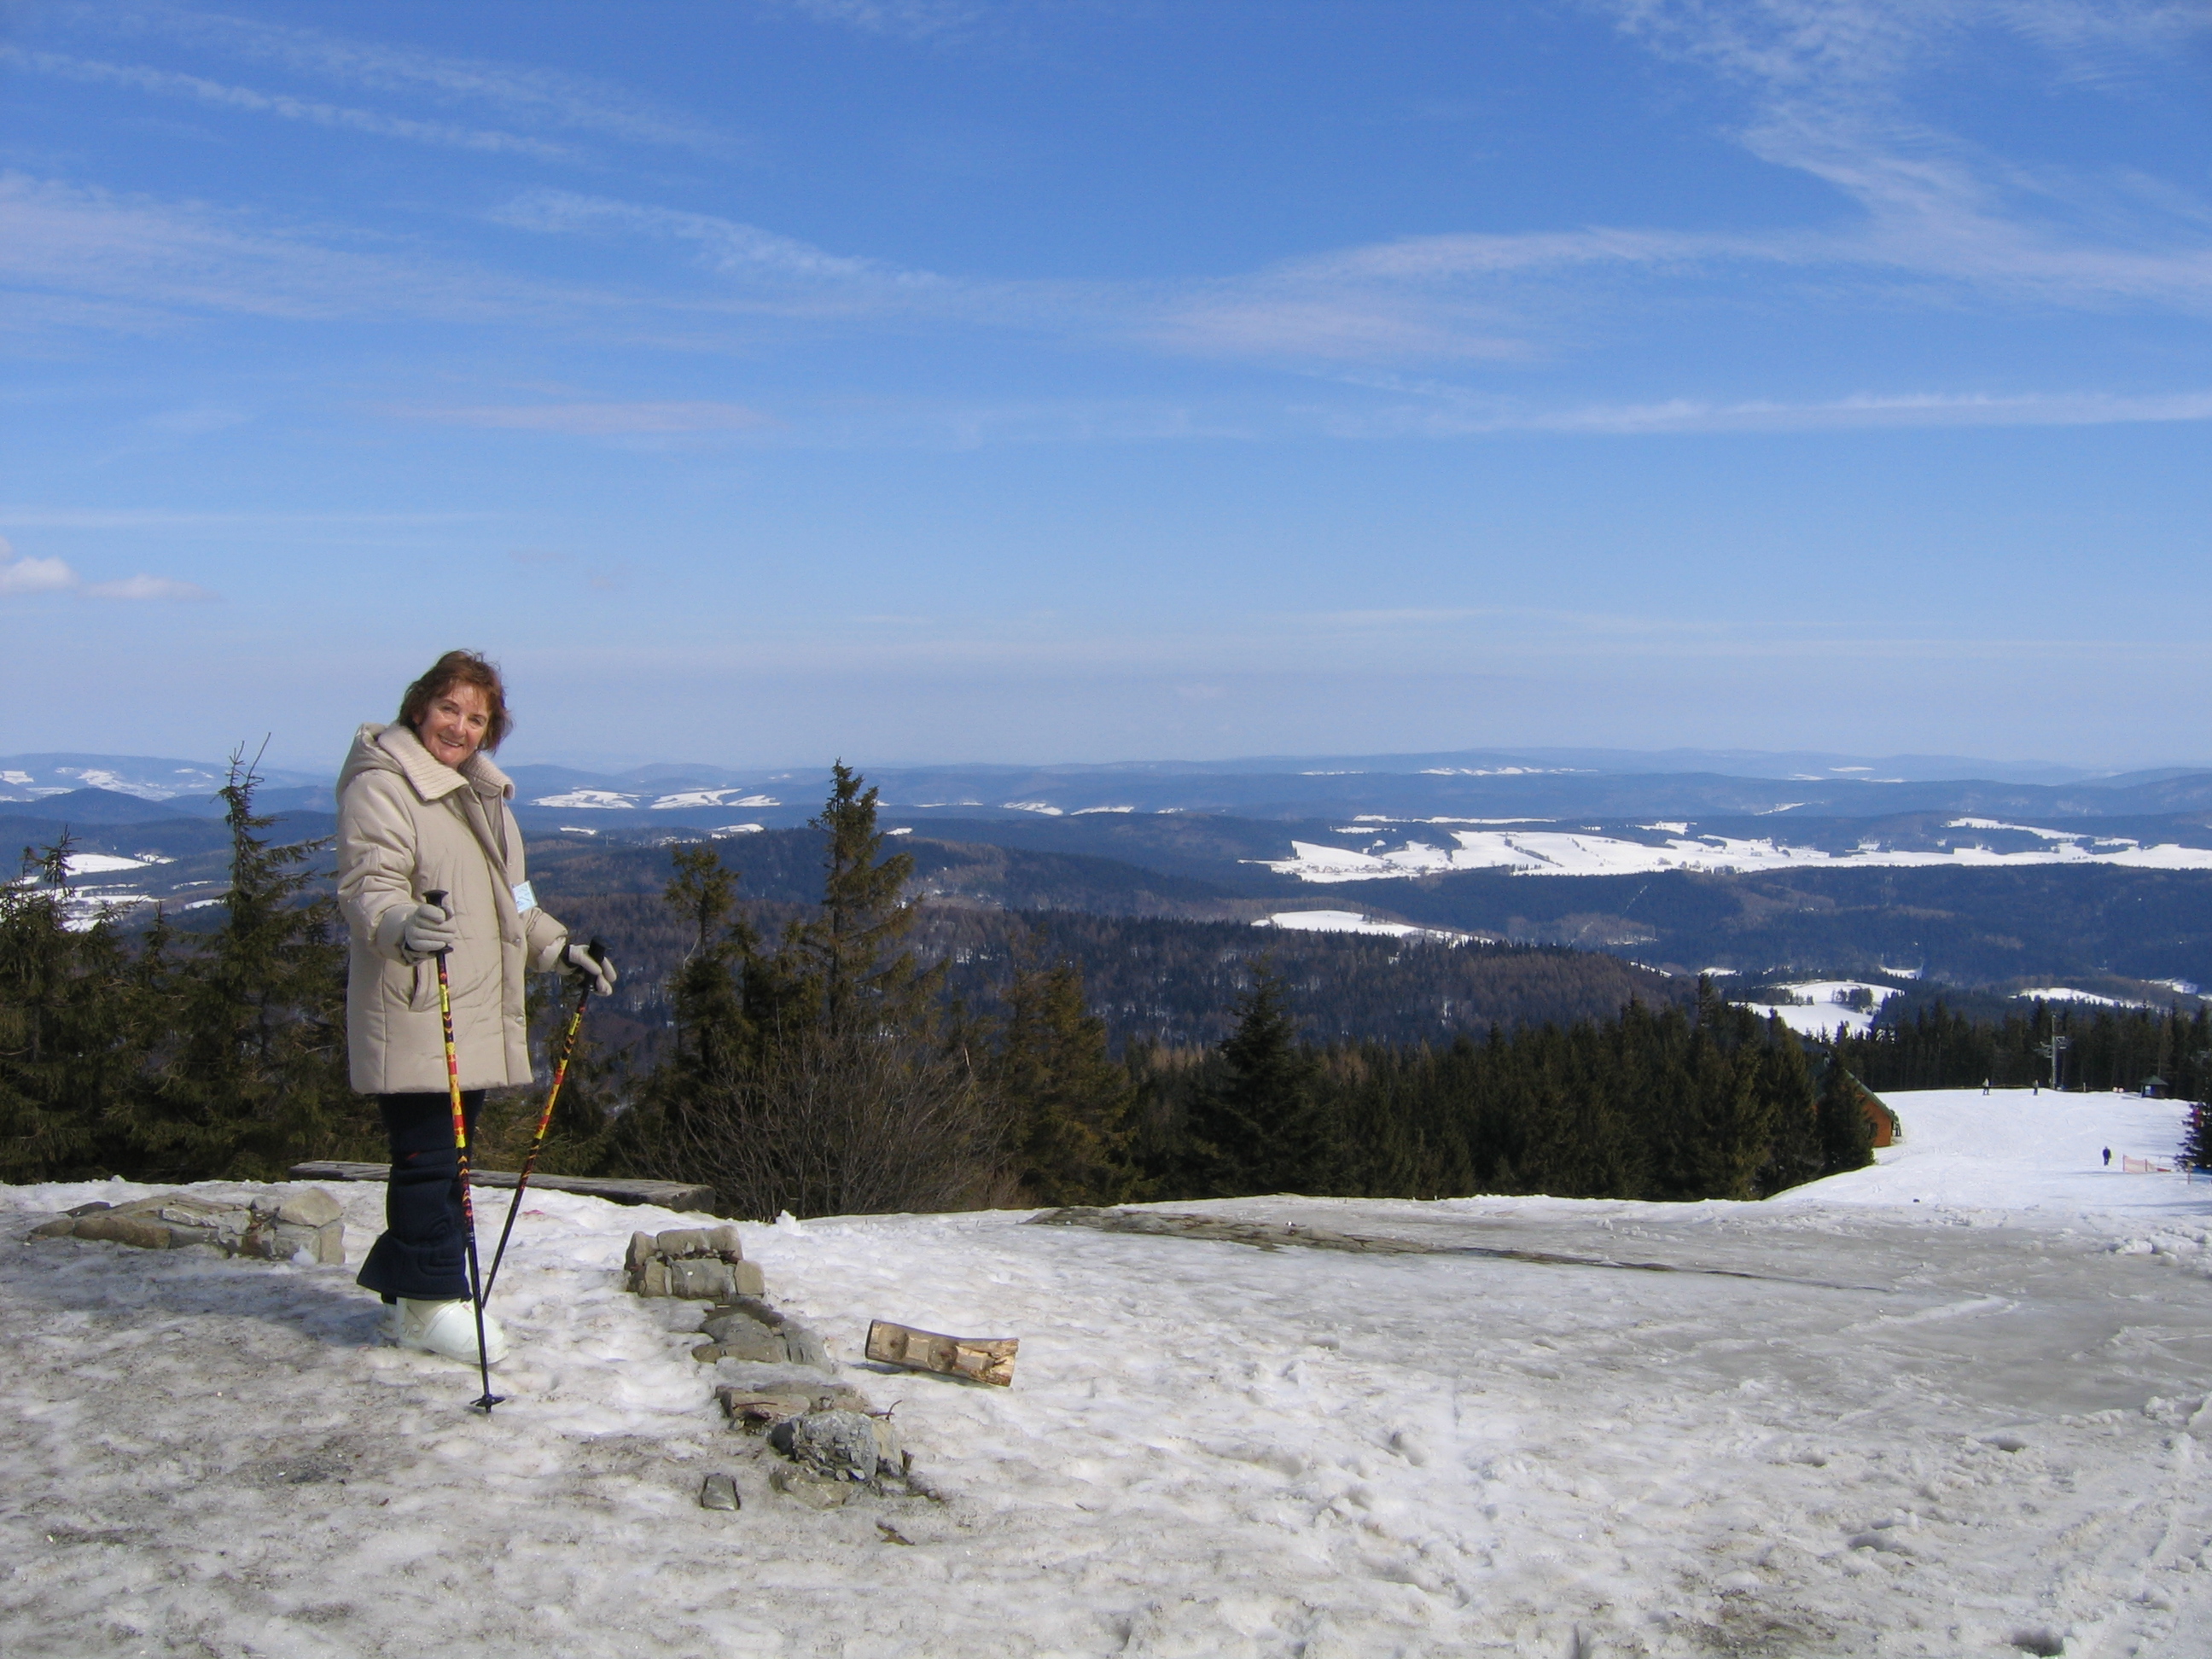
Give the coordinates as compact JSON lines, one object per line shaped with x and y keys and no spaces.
{"x":835,"y":1058}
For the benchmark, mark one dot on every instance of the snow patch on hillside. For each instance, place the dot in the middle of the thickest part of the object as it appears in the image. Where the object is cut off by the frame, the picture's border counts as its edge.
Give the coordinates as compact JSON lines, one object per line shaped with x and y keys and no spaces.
{"x":1560,"y":852}
{"x":2068,"y":993}
{"x":1355,"y":921}
{"x":1827,"y":1007}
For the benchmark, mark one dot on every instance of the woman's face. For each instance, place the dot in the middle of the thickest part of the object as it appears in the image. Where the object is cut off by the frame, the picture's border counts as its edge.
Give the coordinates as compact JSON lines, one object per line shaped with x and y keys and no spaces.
{"x":454,"y":727}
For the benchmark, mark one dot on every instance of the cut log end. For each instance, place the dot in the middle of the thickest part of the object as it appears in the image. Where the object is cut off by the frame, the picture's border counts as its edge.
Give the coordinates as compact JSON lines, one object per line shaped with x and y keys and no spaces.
{"x":979,"y":1358}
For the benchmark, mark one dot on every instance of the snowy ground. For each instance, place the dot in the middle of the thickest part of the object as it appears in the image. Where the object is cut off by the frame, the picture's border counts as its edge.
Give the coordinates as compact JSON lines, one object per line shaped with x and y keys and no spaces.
{"x":1824,"y":1011}
{"x":1358,"y":921}
{"x":1949,"y":1405}
{"x":1564,"y":853}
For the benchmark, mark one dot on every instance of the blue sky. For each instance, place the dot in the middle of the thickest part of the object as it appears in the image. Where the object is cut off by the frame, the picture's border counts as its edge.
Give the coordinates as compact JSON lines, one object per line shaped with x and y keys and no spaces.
{"x":1083,"y":379}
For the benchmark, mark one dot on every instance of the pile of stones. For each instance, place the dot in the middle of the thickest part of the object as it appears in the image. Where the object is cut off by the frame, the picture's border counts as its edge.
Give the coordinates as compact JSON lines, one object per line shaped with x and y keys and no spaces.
{"x":691,"y":1264}
{"x":302,"y":1227}
{"x":777,"y":1379}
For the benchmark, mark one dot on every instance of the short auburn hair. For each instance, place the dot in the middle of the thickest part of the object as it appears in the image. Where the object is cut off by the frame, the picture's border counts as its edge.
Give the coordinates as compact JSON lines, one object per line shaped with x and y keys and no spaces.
{"x":459,"y":668}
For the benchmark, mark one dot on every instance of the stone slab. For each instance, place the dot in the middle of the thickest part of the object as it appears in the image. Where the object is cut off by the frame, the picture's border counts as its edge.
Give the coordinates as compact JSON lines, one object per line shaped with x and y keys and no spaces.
{"x":668,"y":1194}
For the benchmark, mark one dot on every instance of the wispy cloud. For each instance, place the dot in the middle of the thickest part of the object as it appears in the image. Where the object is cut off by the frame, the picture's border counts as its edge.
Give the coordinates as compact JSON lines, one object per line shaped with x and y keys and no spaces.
{"x":727,"y":246}
{"x":914,"y":19}
{"x":20,"y":576}
{"x":149,"y":587}
{"x":169,"y":82}
{"x":541,"y":96}
{"x":1841,"y":90}
{"x":605,"y":420}
{"x":88,"y":249}
{"x":1445,"y":411}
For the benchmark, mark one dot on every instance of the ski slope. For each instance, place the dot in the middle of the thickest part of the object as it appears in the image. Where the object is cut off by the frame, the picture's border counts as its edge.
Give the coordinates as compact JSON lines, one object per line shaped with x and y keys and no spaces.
{"x":1951,"y":1404}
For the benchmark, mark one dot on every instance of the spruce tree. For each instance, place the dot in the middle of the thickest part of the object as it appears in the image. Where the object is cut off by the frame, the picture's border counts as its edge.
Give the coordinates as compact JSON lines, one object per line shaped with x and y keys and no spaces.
{"x":254,"y":1074}
{"x":845,"y":968}
{"x":1071,"y":1103}
{"x":72,"y":1029}
{"x":2197,"y":1140}
{"x":1846,"y":1130}
{"x":1785,"y":1083}
{"x":1253,"y":1129}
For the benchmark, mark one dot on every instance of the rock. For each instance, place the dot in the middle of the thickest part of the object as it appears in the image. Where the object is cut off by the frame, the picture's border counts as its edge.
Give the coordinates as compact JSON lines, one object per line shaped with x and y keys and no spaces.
{"x":815,"y":1491}
{"x":739,"y":1336}
{"x":679,"y":1242}
{"x":692,"y":1279}
{"x":718,"y":1491}
{"x":841,"y":1444}
{"x":311,"y":1209}
{"x":641,"y":1252}
{"x":268,"y":1229}
{"x":764,"y":1408}
{"x":758,"y":1409}
{"x":87,"y":1209}
{"x":115,"y":1228}
{"x":751,"y":1306}
{"x":801,"y":1346}
{"x":890,"y":1453}
{"x":729,"y":1244}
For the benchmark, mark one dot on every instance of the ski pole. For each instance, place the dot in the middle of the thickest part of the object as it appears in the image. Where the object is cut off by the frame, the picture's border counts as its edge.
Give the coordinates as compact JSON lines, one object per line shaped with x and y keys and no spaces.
{"x":597,"y":953}
{"x":461,"y":1151}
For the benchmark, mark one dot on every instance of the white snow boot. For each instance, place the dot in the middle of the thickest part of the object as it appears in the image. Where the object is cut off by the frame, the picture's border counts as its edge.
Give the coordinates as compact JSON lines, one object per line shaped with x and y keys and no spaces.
{"x":447,"y":1328}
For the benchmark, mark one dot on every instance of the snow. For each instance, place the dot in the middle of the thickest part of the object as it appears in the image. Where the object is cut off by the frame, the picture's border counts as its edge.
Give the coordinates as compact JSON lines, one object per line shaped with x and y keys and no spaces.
{"x":1354,"y":921}
{"x":1843,"y":1422}
{"x":2031,"y":1152}
{"x":1557,"y":852}
{"x":2068,"y":993}
{"x":605,"y":801}
{"x":102,"y":864}
{"x":688,"y":798}
{"x":1822,"y":1009}
{"x":1045,"y":807}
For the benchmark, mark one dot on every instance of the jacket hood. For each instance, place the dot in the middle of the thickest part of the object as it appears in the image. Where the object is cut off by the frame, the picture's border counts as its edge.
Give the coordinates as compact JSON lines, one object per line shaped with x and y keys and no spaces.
{"x":395,"y":748}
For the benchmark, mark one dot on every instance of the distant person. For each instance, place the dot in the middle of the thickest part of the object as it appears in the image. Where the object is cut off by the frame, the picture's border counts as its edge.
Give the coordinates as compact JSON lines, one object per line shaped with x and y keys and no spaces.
{"x":2108,"y":1157}
{"x":422,"y":809}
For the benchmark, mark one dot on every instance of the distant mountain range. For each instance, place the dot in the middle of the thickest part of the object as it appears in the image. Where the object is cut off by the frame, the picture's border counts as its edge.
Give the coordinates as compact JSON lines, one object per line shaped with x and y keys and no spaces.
{"x":2103,"y":883}
{"x":1546,"y":783}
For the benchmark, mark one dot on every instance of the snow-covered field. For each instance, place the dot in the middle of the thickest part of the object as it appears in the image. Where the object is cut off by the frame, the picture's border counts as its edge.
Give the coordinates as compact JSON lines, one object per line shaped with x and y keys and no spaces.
{"x":1949,"y":1405}
{"x":1357,"y":921}
{"x":1824,"y":1011}
{"x":1565,"y":852}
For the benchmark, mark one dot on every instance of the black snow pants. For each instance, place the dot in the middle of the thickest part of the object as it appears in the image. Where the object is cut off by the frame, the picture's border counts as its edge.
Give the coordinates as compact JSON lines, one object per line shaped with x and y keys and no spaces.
{"x":420,"y":1255}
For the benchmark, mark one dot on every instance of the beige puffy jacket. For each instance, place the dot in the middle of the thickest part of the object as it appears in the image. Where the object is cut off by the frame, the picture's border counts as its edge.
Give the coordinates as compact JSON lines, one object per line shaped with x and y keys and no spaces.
{"x":408,"y":825}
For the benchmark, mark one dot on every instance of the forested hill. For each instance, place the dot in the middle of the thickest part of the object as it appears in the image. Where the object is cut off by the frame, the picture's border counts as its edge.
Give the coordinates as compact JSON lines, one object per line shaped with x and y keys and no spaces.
{"x":1167,"y":981}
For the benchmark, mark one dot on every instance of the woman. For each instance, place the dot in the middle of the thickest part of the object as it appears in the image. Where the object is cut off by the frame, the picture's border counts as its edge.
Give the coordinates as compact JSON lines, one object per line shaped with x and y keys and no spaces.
{"x":422,"y":809}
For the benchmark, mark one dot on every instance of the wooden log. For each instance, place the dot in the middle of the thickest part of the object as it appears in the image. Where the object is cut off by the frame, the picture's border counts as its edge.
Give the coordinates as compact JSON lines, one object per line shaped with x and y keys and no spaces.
{"x":668,"y":1194}
{"x":979,"y":1358}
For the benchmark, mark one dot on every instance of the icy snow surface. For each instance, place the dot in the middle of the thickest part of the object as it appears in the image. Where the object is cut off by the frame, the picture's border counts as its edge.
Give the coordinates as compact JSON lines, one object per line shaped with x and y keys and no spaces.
{"x":1848,"y":1423}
